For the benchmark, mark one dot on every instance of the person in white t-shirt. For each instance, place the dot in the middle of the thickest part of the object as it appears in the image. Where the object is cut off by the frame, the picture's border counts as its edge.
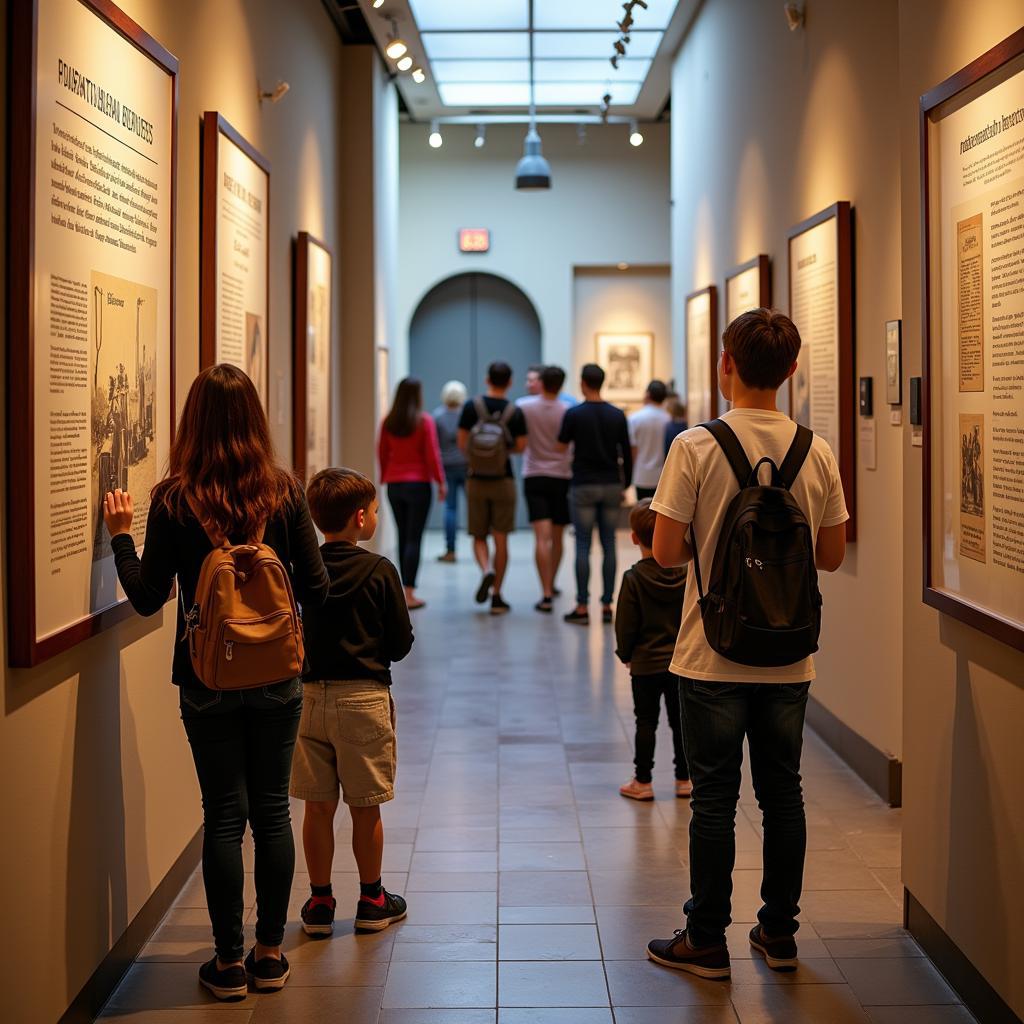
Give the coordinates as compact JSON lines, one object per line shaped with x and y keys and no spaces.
{"x":647,"y":438}
{"x":722,"y":701}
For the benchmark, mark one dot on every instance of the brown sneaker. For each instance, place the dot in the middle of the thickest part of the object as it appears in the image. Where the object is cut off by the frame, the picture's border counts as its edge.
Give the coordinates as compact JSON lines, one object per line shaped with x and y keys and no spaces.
{"x":448,"y":556}
{"x":779,"y":954}
{"x":677,"y":953}
{"x":684,"y":789}
{"x":637,"y":790}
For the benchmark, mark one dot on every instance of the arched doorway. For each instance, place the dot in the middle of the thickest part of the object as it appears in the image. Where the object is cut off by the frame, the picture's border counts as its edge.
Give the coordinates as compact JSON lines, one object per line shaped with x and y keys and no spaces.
{"x":461,"y":326}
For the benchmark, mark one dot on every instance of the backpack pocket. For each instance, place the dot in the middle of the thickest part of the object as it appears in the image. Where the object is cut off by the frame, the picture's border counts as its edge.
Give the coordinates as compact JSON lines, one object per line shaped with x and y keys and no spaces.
{"x":254,"y":652}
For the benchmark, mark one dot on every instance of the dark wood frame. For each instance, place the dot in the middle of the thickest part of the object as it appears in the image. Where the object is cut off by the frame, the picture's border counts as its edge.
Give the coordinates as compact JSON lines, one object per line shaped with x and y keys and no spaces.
{"x":24,"y":649}
{"x":764,"y":285}
{"x":899,"y":355}
{"x":300,"y":306}
{"x":712,"y":292}
{"x":988,"y":63}
{"x":847,"y":388}
{"x":215,"y":125}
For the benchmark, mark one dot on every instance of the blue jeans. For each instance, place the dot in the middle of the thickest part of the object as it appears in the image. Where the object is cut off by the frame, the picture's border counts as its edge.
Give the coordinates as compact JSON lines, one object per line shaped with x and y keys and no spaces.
{"x":455,"y":476}
{"x":716,"y":717}
{"x":595,"y":504}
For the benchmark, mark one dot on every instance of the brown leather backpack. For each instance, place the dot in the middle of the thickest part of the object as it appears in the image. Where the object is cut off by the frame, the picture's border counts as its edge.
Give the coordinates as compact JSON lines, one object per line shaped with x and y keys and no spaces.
{"x":244,"y":629}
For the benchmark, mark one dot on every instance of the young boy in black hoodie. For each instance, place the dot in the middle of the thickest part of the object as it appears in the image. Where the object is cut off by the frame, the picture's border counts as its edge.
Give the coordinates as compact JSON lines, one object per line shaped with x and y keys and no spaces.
{"x":347,"y":733}
{"x":647,"y":619}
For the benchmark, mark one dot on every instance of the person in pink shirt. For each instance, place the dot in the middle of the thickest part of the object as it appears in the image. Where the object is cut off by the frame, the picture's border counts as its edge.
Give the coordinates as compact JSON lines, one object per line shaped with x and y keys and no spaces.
{"x":410,"y":459}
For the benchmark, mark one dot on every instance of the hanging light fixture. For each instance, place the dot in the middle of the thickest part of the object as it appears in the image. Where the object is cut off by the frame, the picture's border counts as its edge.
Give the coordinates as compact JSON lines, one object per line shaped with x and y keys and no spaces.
{"x":635,"y":136}
{"x":481,"y":136}
{"x":405,"y":63}
{"x":397,"y":47}
{"x":533,"y":172}
{"x":435,"y":138}
{"x":419,"y":76}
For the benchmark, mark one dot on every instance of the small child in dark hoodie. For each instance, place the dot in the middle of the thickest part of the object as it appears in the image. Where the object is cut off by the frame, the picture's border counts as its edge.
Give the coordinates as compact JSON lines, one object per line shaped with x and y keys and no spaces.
{"x":347,"y":733}
{"x":647,"y":619}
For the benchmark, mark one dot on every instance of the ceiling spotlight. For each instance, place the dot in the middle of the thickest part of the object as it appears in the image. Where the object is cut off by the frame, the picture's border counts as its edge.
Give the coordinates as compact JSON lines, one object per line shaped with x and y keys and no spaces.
{"x":623,"y":266}
{"x":275,"y":94}
{"x":620,"y":47}
{"x":435,"y":139}
{"x":418,"y":76}
{"x":405,"y":63}
{"x":635,"y":136}
{"x":397,"y":46}
{"x":533,"y":171}
{"x":378,"y":3}
{"x":615,"y":62}
{"x":481,"y":136}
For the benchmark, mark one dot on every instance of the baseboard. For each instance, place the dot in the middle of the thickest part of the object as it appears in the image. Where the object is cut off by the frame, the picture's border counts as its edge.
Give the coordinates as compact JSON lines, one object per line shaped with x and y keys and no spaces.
{"x":978,"y":995}
{"x":881,"y":771}
{"x":98,"y":989}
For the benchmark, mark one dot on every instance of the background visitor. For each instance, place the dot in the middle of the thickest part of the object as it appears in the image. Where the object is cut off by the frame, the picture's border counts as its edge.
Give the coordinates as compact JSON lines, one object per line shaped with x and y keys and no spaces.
{"x":446,"y":419}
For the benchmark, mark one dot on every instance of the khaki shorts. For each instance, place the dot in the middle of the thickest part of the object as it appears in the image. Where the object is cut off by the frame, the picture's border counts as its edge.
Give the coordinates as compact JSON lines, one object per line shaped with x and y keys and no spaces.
{"x":346,"y":739}
{"x":492,"y":506}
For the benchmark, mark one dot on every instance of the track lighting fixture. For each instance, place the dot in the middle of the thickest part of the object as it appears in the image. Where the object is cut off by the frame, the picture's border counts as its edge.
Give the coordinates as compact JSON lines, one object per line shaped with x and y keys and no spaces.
{"x":378,"y":4}
{"x":620,"y":47}
{"x":419,"y":76}
{"x":397,"y":47}
{"x":635,"y":136}
{"x":481,"y":136}
{"x":435,"y":139}
{"x":615,"y":62}
{"x":405,"y":63}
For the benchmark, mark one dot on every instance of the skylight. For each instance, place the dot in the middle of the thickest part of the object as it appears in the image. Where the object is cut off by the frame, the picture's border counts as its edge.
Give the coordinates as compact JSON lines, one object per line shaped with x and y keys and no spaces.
{"x":476,"y":45}
{"x":586,"y":14}
{"x":432,"y":15}
{"x":592,"y":44}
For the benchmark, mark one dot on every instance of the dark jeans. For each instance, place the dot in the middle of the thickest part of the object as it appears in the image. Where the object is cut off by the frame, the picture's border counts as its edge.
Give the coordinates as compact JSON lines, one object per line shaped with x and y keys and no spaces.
{"x":595,"y":504}
{"x":242,"y":745}
{"x":455,"y":476}
{"x":648,"y":692}
{"x":411,"y":505}
{"x":645,"y":492}
{"x":716,"y":717}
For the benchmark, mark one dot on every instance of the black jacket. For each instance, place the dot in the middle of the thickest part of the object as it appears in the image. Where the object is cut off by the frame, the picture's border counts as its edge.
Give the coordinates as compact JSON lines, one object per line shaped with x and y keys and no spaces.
{"x":364,"y":626}
{"x":647,"y":616}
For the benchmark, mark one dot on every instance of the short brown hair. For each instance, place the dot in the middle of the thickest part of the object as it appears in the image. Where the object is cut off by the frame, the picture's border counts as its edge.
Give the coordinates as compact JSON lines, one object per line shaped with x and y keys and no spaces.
{"x":642,"y":520}
{"x":335,"y":495}
{"x":764,"y":345}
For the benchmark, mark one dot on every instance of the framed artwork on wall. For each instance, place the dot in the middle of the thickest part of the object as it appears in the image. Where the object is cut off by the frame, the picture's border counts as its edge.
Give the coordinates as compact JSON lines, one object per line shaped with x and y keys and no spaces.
{"x":702,"y":347}
{"x":822,"y":391}
{"x":90,"y":376}
{"x":628,"y":363}
{"x":312,"y":356}
{"x":748,"y":286}
{"x":234,"y":297}
{"x":894,"y":362}
{"x":972,"y":168}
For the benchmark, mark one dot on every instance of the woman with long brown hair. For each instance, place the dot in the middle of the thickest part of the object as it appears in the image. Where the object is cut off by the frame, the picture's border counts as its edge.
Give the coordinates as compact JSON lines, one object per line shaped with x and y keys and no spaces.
{"x":410,"y":458}
{"x":223,"y":484}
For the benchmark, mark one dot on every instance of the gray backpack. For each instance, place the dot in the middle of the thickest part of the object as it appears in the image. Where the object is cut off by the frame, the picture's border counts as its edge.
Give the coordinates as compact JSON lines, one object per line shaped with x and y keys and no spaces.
{"x":489,"y":440}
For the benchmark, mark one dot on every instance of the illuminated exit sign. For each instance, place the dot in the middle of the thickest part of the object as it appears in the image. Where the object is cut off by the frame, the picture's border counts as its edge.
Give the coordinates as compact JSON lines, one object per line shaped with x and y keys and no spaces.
{"x":474,"y":240}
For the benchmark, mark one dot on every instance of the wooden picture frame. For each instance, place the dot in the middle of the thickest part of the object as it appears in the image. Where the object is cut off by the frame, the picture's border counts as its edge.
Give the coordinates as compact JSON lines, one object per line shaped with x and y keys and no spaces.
{"x":244,"y":342}
{"x":971,"y":572}
{"x":628,"y":362}
{"x":836,"y":420}
{"x":30,"y":640}
{"x":312,"y":313}
{"x":756,"y":271}
{"x":702,"y":354}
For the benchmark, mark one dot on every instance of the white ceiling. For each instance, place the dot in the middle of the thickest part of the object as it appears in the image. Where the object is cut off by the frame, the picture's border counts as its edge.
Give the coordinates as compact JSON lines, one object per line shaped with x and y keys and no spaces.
{"x":475,"y":55}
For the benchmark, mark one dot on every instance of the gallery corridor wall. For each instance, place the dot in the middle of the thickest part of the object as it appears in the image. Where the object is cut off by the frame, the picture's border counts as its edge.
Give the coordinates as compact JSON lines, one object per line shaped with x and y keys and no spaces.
{"x":99,"y":797}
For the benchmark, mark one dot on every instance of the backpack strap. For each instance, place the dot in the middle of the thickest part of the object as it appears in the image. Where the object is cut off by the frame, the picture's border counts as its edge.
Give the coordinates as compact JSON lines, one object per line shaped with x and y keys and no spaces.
{"x":796,"y":456}
{"x":731,"y":448}
{"x":482,"y":412}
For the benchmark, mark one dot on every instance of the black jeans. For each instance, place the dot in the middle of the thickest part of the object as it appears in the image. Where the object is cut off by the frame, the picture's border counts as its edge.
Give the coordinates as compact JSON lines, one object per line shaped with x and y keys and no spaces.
{"x":716,"y":717}
{"x":648,"y":692}
{"x":242,"y":745}
{"x":410,"y":503}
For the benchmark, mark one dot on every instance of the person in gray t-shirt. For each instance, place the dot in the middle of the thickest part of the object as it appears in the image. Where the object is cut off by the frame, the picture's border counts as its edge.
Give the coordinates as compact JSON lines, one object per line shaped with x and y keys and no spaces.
{"x":446,"y":416}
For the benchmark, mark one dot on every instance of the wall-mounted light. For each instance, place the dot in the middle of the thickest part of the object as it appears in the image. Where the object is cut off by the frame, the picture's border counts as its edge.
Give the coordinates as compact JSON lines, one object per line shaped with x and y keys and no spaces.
{"x":635,"y":136}
{"x":397,"y":46}
{"x":275,"y":94}
{"x":377,"y":4}
{"x":481,"y":136}
{"x":435,"y":139}
{"x":405,"y":63}
{"x":419,"y":76}
{"x":794,"y":15}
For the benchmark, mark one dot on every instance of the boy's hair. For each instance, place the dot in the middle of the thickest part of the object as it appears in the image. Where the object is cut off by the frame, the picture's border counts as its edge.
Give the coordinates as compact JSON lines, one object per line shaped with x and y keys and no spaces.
{"x":335,"y":495}
{"x":641,"y":521}
{"x":499,"y":375}
{"x":656,"y":391}
{"x":676,"y":407}
{"x":764,"y":345}
{"x":552,"y":378}
{"x":593,"y":376}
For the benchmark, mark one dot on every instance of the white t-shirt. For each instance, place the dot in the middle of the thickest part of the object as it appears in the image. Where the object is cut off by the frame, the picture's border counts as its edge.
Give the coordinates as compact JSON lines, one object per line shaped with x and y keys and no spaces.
{"x":697,"y":486}
{"x":647,"y":436}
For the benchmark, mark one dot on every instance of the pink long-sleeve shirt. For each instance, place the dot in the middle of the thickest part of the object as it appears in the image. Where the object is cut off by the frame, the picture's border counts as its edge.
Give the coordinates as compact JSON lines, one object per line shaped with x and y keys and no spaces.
{"x":412,"y":459}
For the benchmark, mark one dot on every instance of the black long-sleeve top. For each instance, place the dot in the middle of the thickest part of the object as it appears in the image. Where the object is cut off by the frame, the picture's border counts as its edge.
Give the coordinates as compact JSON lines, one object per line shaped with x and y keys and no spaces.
{"x":176,"y":548}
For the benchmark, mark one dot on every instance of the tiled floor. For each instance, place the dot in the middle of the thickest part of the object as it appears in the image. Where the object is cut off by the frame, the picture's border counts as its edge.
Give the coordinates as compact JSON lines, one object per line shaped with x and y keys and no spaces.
{"x":533,"y":887}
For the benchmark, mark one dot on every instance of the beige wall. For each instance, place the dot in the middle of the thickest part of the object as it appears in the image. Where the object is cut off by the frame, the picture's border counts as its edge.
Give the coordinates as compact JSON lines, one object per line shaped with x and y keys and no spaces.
{"x":99,"y":795}
{"x":769,"y":127}
{"x":963,"y":837}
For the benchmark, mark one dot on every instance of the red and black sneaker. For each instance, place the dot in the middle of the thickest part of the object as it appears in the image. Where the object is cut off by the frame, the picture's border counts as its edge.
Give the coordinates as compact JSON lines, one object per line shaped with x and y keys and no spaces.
{"x":678,"y":953}
{"x":374,"y":915}
{"x":318,"y":915}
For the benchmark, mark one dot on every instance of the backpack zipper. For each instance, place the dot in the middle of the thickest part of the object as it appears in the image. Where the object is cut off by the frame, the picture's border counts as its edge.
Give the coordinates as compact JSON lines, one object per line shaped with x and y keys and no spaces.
{"x":229,"y":652}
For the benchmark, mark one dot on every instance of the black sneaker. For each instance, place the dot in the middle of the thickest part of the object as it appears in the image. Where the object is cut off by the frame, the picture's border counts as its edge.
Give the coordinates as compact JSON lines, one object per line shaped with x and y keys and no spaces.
{"x":577,"y":618}
{"x":374,"y":916}
{"x":228,"y":985}
{"x":779,"y":954}
{"x":544,"y":605}
{"x":484,"y":590}
{"x":607,"y":616}
{"x":709,"y":962}
{"x":498,"y":606}
{"x":318,"y":915}
{"x":268,"y":974}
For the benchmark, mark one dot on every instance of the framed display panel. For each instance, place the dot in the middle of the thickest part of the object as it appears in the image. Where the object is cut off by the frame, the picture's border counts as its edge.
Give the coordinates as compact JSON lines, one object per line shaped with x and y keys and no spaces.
{"x":234,"y":297}
{"x":972,"y":165}
{"x":702,"y":346}
{"x":822,"y":392}
{"x":628,"y":363}
{"x":748,"y":286}
{"x":894,"y":362}
{"x":90,"y":400}
{"x":312,"y":351}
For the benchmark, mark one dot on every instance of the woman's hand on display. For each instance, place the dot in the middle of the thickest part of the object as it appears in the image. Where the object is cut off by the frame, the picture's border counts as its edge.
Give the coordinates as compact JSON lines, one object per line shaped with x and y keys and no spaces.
{"x":118,"y":512}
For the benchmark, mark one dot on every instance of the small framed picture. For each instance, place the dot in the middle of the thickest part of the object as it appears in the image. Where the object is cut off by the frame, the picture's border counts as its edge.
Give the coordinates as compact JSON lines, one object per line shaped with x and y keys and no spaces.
{"x":628,"y":363}
{"x":894,"y":362}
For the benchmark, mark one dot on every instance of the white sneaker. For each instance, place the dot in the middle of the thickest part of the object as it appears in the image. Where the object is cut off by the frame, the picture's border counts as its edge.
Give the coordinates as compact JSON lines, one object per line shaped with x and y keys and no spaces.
{"x":684,"y":789}
{"x":637,"y":790}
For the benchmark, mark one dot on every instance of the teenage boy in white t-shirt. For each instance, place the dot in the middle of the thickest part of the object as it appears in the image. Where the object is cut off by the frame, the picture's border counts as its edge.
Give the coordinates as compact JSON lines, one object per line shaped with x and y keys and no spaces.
{"x":723,"y":701}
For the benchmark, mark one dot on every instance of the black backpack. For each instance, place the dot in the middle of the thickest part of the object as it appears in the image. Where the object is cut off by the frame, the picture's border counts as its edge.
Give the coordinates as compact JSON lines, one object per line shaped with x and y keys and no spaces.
{"x":762,"y":606}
